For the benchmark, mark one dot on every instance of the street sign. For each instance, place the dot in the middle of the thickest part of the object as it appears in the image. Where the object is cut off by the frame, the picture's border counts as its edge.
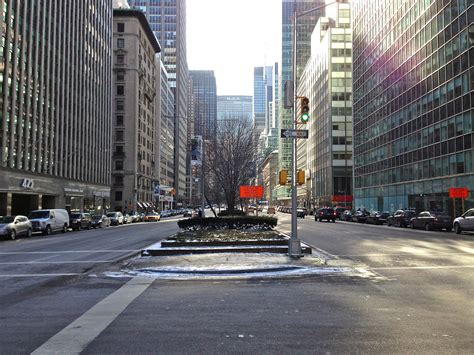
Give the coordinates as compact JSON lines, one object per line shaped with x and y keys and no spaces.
{"x":251,"y":191}
{"x":294,"y":133}
{"x":458,"y":192}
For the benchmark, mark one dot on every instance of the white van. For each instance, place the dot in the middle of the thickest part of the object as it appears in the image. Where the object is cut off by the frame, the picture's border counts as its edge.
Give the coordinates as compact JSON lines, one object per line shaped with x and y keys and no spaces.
{"x":48,"y":221}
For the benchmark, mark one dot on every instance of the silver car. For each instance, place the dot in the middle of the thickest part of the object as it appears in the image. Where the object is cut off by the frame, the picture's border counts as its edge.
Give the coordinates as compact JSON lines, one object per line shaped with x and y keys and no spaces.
{"x":12,"y":226}
{"x":465,"y":222}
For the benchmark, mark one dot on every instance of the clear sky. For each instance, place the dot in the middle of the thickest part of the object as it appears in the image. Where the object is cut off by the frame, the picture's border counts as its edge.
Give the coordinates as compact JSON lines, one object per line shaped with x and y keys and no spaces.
{"x":232,"y":37}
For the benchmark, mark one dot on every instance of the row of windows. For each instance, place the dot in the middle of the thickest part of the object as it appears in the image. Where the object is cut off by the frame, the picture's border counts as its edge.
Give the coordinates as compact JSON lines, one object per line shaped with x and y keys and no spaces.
{"x":453,"y":145}
{"x":453,"y":164}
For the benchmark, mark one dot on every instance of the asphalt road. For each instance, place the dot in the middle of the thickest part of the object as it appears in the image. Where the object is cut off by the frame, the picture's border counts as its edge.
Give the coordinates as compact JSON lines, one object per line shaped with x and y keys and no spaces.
{"x":56,"y":297}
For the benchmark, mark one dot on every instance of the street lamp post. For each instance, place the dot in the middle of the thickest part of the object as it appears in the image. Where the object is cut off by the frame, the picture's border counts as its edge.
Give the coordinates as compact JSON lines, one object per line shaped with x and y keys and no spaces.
{"x":294,"y":246}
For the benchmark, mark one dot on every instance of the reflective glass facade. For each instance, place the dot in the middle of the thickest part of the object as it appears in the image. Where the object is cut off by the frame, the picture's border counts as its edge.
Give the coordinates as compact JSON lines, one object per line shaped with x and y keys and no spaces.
{"x":413,"y":102}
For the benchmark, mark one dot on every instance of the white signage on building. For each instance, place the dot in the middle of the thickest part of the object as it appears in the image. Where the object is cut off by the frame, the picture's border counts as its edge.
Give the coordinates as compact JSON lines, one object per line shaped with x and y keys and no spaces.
{"x":27,"y":183}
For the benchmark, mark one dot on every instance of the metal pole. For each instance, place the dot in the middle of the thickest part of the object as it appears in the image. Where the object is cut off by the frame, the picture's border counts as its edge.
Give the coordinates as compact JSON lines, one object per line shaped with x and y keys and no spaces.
{"x":294,"y":246}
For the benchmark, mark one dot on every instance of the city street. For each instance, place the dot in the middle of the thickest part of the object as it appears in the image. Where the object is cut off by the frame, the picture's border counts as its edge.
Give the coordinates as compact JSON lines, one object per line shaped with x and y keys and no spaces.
{"x":421,"y":303}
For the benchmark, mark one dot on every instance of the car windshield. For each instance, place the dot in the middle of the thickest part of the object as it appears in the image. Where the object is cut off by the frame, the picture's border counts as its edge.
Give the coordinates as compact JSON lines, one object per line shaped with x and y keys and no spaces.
{"x":111,"y":214}
{"x":7,"y":219}
{"x":75,"y":215}
{"x":39,"y":214}
{"x":96,"y":217}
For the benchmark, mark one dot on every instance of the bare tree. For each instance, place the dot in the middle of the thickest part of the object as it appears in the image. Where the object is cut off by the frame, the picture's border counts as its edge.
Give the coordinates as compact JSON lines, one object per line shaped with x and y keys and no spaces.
{"x":229,"y":159}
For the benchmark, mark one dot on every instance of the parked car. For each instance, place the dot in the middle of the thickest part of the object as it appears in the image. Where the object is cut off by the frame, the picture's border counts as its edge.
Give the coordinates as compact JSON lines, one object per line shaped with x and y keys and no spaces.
{"x":49,"y":220}
{"x":100,"y":221}
{"x":13,"y":226}
{"x":346,"y":216}
{"x":300,"y":213}
{"x":465,"y":222}
{"x":360,"y":216}
{"x":77,"y":221}
{"x":339,"y":210}
{"x":116,"y":218}
{"x":401,"y":218}
{"x":432,"y":220}
{"x":127,"y":219}
{"x":271,"y":210}
{"x":376,"y":217}
{"x":136,"y":217}
{"x":326,"y":213}
{"x":152,"y":217}
{"x":188,"y":213}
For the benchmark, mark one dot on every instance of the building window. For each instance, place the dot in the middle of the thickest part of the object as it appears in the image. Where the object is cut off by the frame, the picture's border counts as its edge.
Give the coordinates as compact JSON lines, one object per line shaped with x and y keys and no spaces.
{"x":120,"y":59}
{"x":120,"y":43}
{"x":120,"y":27}
{"x":119,"y":120}
{"x":119,"y":165}
{"x":120,"y":105}
{"x":120,"y":75}
{"x":119,"y":136}
{"x":118,"y":195}
{"x":120,"y":90}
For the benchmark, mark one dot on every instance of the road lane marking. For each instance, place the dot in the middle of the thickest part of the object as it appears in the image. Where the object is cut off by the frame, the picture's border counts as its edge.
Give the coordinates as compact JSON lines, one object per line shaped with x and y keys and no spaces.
{"x":79,"y":334}
{"x":41,"y":275}
{"x":404,"y":254}
{"x":422,"y":267}
{"x":54,"y":262}
{"x":69,"y":252}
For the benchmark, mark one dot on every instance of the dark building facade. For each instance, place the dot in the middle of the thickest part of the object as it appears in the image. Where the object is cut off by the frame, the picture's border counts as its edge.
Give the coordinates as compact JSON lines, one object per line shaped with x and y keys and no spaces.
{"x":168,"y":21}
{"x":413,"y":103}
{"x":203,"y":86}
{"x":55,"y":107}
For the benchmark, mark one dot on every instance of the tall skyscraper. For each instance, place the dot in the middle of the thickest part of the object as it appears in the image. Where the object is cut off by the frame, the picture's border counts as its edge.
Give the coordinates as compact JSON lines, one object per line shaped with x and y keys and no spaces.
{"x":168,"y":21}
{"x":203,"y":86}
{"x":326,"y":155}
{"x":234,"y":108}
{"x":55,"y":107}
{"x":413,"y":103}
{"x":305,"y":28}
{"x":135,"y":170}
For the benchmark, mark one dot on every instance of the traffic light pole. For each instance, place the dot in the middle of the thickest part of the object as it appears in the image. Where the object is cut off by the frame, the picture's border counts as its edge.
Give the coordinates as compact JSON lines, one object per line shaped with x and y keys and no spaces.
{"x":294,"y":245}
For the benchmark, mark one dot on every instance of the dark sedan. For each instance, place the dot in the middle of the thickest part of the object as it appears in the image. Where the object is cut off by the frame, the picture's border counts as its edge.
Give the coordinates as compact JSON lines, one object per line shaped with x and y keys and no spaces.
{"x":401,"y":218}
{"x":360,"y":216}
{"x":100,"y":221}
{"x":77,"y":221}
{"x":431,"y":221}
{"x":377,"y":217}
{"x":326,"y":213}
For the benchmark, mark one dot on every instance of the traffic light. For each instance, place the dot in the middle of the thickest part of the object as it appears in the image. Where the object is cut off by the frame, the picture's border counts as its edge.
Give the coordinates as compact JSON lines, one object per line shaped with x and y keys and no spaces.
{"x":283,"y":177}
{"x":304,"y":110}
{"x":301,"y":177}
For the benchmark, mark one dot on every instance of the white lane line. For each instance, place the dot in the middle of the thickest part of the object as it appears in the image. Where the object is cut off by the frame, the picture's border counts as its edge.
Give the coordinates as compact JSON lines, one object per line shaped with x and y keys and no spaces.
{"x":422,"y":267}
{"x":41,"y":275}
{"x":79,"y":334}
{"x":45,"y":258}
{"x":54,"y":262}
{"x":68,"y":252}
{"x":405,"y":254}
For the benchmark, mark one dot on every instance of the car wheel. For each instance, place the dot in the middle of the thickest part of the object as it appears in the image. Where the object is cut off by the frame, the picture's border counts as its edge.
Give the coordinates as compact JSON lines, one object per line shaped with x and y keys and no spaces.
{"x":29,"y":232}
{"x":457,"y":228}
{"x":412,"y":226}
{"x":427,"y":227}
{"x":64,"y":228}
{"x":47,"y":231}
{"x":13,"y":234}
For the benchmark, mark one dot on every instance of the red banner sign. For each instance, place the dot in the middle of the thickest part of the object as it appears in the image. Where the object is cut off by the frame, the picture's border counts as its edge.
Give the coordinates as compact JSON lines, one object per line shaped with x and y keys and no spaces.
{"x":342,"y":198}
{"x":251,"y":191}
{"x":458,"y":192}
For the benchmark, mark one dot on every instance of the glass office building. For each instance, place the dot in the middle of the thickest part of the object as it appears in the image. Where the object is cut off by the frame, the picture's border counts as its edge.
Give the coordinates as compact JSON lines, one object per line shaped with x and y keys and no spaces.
{"x":413,"y":103}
